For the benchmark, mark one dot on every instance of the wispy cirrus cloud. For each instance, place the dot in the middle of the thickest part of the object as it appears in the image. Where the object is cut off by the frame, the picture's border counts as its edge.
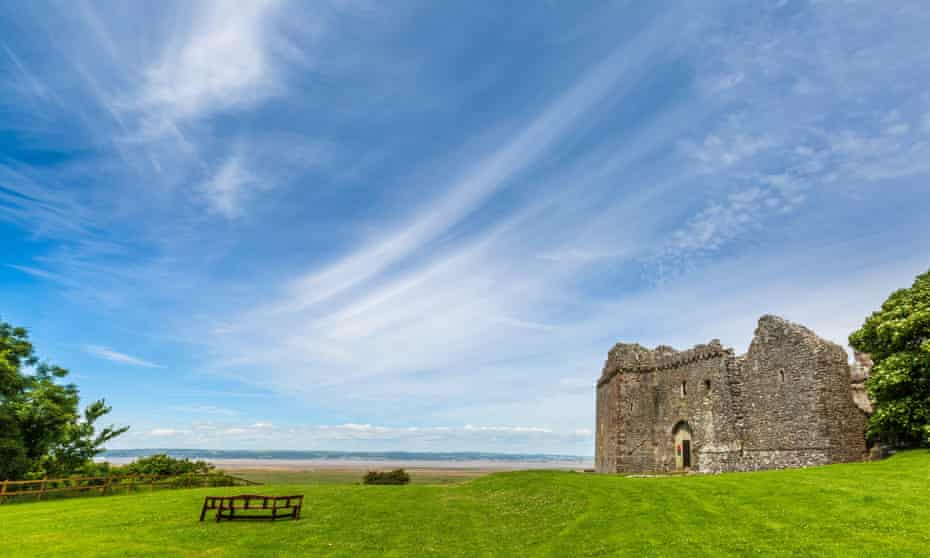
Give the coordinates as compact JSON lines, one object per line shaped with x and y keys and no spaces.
{"x":107,"y":353}
{"x":35,"y":272}
{"x":484,"y":177}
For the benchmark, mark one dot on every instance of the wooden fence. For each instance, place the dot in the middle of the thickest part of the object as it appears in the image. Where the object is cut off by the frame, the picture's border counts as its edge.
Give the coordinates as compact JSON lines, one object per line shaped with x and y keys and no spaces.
{"x":42,"y":488}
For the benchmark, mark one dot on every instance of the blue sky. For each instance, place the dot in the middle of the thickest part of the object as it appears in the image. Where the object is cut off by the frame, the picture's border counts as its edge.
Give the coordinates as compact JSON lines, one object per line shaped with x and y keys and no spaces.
{"x":421,"y":226}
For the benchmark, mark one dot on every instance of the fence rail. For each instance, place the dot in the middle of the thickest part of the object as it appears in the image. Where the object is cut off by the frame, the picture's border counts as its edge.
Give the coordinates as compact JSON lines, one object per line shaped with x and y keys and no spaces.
{"x":41,"y":488}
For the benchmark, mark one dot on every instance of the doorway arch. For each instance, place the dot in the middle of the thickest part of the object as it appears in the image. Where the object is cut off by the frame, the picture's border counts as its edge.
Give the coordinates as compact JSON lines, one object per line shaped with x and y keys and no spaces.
{"x":682,"y":435}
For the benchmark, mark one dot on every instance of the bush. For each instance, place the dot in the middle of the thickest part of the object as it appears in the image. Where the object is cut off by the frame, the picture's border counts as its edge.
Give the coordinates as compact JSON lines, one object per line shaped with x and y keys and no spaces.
{"x":397,"y":476}
{"x":162,"y":464}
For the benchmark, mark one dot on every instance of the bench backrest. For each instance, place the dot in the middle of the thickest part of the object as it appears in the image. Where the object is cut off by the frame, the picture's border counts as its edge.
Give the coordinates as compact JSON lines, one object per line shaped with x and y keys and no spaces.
{"x":212,"y":502}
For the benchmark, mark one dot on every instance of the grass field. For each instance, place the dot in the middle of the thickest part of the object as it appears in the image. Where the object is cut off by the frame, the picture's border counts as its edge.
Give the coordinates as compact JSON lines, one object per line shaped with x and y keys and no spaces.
{"x":867,"y":509}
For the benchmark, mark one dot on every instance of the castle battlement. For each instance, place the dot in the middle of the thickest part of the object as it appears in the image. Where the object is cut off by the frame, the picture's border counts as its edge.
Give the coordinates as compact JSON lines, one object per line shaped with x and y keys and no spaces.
{"x":634,"y":358}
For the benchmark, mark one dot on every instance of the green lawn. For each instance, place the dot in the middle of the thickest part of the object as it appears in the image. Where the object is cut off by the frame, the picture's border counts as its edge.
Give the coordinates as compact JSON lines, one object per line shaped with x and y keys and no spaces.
{"x":867,"y":509}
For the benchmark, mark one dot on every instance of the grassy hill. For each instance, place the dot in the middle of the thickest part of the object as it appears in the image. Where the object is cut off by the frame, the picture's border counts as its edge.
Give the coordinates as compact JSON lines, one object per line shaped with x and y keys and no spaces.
{"x":865,"y":509}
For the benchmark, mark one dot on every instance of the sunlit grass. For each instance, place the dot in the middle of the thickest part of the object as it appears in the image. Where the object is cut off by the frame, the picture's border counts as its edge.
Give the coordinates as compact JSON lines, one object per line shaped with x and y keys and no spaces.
{"x":865,"y":509}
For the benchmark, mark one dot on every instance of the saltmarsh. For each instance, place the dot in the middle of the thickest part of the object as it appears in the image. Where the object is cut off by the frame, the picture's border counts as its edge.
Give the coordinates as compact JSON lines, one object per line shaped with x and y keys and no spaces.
{"x":863,"y":509}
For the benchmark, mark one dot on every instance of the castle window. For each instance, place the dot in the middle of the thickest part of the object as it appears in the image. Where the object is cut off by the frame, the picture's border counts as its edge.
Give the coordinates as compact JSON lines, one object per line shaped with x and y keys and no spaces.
{"x":684,"y":389}
{"x":707,"y":385}
{"x":781,"y":375}
{"x":631,"y":406}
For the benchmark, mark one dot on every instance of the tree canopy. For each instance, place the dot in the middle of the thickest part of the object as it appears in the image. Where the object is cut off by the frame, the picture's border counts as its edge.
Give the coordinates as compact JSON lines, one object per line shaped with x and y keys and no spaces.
{"x":897,"y":338}
{"x":42,"y":430}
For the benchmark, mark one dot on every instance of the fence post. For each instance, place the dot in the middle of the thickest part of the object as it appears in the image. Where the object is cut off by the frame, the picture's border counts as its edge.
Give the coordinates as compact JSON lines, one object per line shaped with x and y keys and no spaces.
{"x":42,"y":491}
{"x":106,"y":486}
{"x":132,"y":480}
{"x":3,"y":491}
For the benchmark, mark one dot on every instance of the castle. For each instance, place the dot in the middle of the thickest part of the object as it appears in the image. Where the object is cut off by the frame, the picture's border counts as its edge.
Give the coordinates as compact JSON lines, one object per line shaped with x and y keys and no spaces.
{"x":791,"y":401}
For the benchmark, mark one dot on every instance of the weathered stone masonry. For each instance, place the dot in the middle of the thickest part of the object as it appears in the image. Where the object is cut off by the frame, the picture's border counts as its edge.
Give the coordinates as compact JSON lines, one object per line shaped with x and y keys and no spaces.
{"x":788,"y":402}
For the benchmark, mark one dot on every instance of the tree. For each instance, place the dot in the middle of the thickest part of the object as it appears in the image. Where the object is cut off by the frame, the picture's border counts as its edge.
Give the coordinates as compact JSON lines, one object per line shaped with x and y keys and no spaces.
{"x":42,"y":431}
{"x":897,"y":338}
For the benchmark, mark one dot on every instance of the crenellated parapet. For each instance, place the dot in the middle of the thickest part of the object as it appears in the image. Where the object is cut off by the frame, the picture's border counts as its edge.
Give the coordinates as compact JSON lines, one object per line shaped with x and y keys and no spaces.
{"x":634,"y":358}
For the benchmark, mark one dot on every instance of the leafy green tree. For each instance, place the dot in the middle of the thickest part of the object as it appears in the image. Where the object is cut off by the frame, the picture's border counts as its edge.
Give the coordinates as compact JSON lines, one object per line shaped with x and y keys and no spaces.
{"x":15,"y":353}
{"x":897,"y":338}
{"x":42,"y":432}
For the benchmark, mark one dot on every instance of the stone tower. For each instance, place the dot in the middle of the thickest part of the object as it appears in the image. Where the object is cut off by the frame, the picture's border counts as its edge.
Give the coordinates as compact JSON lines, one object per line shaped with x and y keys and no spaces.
{"x":788,"y":402}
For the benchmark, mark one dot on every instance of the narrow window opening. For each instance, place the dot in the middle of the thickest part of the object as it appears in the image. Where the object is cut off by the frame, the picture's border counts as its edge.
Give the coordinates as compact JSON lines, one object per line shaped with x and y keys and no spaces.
{"x":631,"y":406}
{"x":707,"y":385}
{"x":781,"y":375}
{"x":684,"y":389}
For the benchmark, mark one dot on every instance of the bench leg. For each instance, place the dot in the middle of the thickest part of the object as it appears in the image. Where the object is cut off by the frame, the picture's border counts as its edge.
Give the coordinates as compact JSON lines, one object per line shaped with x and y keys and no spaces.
{"x":203,"y":511}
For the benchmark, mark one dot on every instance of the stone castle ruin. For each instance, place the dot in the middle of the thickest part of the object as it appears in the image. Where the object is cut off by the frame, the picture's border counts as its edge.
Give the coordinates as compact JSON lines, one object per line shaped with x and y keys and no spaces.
{"x":791,"y":401}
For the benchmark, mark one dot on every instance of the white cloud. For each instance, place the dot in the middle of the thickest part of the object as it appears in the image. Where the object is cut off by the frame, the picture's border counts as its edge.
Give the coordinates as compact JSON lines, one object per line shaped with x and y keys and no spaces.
{"x":222,"y":63}
{"x":236,"y":430}
{"x":161,"y":432}
{"x":36,"y":272}
{"x":225,"y":191}
{"x":578,"y":382}
{"x":573,"y":256}
{"x":508,"y":429}
{"x":722,"y":83}
{"x":509,"y":439}
{"x":720,"y":222}
{"x":715,"y":153}
{"x":206,"y":410}
{"x":107,"y":353}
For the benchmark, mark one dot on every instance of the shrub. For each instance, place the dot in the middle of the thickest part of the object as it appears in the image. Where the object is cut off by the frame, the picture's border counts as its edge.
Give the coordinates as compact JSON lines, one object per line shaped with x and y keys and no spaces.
{"x":162,"y":464}
{"x":397,"y":476}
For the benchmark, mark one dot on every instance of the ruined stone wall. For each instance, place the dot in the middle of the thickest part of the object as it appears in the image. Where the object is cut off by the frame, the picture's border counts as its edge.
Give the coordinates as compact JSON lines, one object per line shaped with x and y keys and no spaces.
{"x":622,"y":410}
{"x":849,"y":421}
{"x":784,"y":424}
{"x":608,"y":428}
{"x":786,"y":403}
{"x":798,"y":403}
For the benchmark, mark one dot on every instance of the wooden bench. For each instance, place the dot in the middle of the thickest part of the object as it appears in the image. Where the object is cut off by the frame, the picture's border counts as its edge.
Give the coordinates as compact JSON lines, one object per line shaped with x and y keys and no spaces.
{"x":256,"y":506}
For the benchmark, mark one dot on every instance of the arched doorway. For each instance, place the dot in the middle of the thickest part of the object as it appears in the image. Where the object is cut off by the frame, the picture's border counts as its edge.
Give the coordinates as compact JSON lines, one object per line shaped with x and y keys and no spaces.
{"x":682,"y":433}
